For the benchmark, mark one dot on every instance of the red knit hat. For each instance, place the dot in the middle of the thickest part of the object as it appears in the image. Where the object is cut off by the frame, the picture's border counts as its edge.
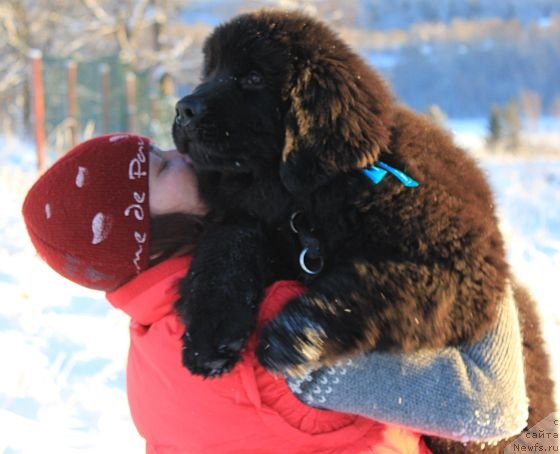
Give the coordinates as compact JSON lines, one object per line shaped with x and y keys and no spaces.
{"x":88,"y":215}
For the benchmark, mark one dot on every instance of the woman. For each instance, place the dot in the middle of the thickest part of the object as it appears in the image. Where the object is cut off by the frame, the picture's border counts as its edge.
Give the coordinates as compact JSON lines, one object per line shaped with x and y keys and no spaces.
{"x":118,"y":215}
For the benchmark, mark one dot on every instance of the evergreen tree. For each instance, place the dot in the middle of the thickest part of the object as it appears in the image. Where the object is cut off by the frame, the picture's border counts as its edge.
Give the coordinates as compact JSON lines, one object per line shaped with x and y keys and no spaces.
{"x":495,"y":126}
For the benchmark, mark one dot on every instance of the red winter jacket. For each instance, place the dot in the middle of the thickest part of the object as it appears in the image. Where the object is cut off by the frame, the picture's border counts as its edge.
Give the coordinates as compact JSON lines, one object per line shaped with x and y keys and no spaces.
{"x":245,"y":411}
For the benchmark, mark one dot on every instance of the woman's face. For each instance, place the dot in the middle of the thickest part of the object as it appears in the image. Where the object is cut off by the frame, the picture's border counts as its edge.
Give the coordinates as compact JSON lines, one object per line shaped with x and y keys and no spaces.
{"x":173,"y":184}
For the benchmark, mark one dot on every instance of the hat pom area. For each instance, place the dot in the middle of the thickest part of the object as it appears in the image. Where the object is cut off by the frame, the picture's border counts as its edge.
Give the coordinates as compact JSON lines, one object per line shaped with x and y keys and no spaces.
{"x":88,"y":214}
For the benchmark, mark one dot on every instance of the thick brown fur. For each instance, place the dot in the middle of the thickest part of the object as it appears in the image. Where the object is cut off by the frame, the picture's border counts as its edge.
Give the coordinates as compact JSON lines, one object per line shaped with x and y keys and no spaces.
{"x":284,"y":121}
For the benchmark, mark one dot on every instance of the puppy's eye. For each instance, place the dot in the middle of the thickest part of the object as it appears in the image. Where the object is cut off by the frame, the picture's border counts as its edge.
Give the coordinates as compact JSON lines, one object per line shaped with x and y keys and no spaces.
{"x":253,"y":80}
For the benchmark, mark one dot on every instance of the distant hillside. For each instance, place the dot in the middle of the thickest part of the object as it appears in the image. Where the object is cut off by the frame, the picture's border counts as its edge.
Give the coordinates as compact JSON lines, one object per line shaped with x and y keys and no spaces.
{"x":466,"y":67}
{"x":464,"y":55}
{"x":402,"y":14}
{"x":380,"y":14}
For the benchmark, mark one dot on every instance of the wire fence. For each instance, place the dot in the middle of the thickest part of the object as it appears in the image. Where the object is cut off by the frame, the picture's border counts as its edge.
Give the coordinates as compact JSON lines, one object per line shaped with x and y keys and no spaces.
{"x":73,"y":100}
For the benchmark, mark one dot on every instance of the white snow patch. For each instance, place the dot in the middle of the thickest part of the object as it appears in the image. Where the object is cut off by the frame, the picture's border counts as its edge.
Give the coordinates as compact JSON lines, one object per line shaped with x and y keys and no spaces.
{"x":64,"y":347}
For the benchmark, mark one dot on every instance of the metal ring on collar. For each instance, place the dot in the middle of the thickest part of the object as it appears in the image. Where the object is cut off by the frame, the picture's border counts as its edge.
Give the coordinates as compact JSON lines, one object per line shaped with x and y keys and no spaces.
{"x":293,"y":217}
{"x":304,"y":266}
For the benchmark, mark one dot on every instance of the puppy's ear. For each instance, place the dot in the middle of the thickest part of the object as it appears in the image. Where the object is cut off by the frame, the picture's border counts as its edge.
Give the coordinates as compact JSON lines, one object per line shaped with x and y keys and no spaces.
{"x":337,"y":119}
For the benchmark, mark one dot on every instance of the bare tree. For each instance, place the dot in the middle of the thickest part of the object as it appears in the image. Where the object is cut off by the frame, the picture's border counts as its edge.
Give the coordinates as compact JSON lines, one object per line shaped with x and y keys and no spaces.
{"x":531,"y":106}
{"x":144,"y":33}
{"x":555,"y":107}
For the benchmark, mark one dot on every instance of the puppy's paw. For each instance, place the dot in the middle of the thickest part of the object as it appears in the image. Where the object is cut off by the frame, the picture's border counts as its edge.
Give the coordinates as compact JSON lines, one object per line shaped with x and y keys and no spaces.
{"x":211,"y":359}
{"x":293,"y":341}
{"x":215,"y":335}
{"x":219,"y":318}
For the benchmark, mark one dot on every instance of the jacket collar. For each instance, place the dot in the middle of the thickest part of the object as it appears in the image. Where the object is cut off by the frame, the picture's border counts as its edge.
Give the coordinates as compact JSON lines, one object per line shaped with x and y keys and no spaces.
{"x":152,"y":294}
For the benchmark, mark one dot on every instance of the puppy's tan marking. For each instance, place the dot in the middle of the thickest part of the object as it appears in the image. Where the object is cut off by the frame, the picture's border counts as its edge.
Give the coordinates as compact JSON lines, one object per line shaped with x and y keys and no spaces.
{"x":367,"y":159}
{"x":335,"y":109}
{"x":288,"y":144}
{"x":303,"y":119}
{"x":362,"y":270}
{"x":326,"y":306}
{"x":311,"y":348}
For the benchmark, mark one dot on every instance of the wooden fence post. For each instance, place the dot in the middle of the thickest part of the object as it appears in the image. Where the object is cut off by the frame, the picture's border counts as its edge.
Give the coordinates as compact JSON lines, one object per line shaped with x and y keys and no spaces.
{"x":131,"y":101}
{"x":38,"y":103}
{"x":154,"y":113}
{"x":72,"y":101}
{"x":105,"y":97}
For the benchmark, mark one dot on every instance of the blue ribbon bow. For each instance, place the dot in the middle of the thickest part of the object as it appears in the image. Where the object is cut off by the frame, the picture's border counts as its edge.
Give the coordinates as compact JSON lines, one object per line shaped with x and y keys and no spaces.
{"x":377,"y":172}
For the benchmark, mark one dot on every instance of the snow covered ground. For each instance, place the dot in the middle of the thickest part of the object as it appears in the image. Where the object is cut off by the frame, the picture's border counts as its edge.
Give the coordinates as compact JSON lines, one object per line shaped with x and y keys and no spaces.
{"x":63,"y":349}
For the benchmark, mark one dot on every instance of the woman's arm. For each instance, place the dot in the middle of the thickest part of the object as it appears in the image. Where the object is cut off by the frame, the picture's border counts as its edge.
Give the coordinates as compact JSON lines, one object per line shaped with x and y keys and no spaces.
{"x":473,"y":393}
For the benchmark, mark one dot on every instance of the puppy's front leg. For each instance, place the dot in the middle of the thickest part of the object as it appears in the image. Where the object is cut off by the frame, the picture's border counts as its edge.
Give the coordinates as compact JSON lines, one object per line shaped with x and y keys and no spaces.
{"x":360,"y":306}
{"x":220,"y":296}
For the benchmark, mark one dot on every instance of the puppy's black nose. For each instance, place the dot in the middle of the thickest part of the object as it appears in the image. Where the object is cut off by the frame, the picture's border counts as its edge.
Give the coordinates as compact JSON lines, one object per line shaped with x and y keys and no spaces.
{"x":189,"y":110}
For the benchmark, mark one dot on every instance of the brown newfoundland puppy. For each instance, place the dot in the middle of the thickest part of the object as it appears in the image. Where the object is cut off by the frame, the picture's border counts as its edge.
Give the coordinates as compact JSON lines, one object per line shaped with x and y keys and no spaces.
{"x":310,"y":165}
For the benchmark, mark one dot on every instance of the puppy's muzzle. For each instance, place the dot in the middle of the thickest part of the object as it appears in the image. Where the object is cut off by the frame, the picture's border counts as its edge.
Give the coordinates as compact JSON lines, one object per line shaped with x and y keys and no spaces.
{"x":189,"y":111}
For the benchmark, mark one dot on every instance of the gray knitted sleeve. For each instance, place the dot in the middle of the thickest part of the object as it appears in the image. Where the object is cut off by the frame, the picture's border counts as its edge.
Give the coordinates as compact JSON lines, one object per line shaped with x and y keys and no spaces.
{"x":473,"y":393}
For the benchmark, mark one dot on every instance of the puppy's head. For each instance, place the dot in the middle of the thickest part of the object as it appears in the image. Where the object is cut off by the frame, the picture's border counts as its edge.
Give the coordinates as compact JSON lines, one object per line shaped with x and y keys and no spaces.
{"x":233,"y":120}
{"x":281,"y":90}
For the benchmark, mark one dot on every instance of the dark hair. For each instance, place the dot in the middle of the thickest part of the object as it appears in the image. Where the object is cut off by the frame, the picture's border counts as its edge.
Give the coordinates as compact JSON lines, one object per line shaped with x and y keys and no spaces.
{"x":174,"y":232}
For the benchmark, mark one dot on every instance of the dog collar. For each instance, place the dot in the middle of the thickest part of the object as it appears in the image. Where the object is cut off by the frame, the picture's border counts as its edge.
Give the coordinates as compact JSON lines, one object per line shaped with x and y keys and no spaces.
{"x":377,"y":172}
